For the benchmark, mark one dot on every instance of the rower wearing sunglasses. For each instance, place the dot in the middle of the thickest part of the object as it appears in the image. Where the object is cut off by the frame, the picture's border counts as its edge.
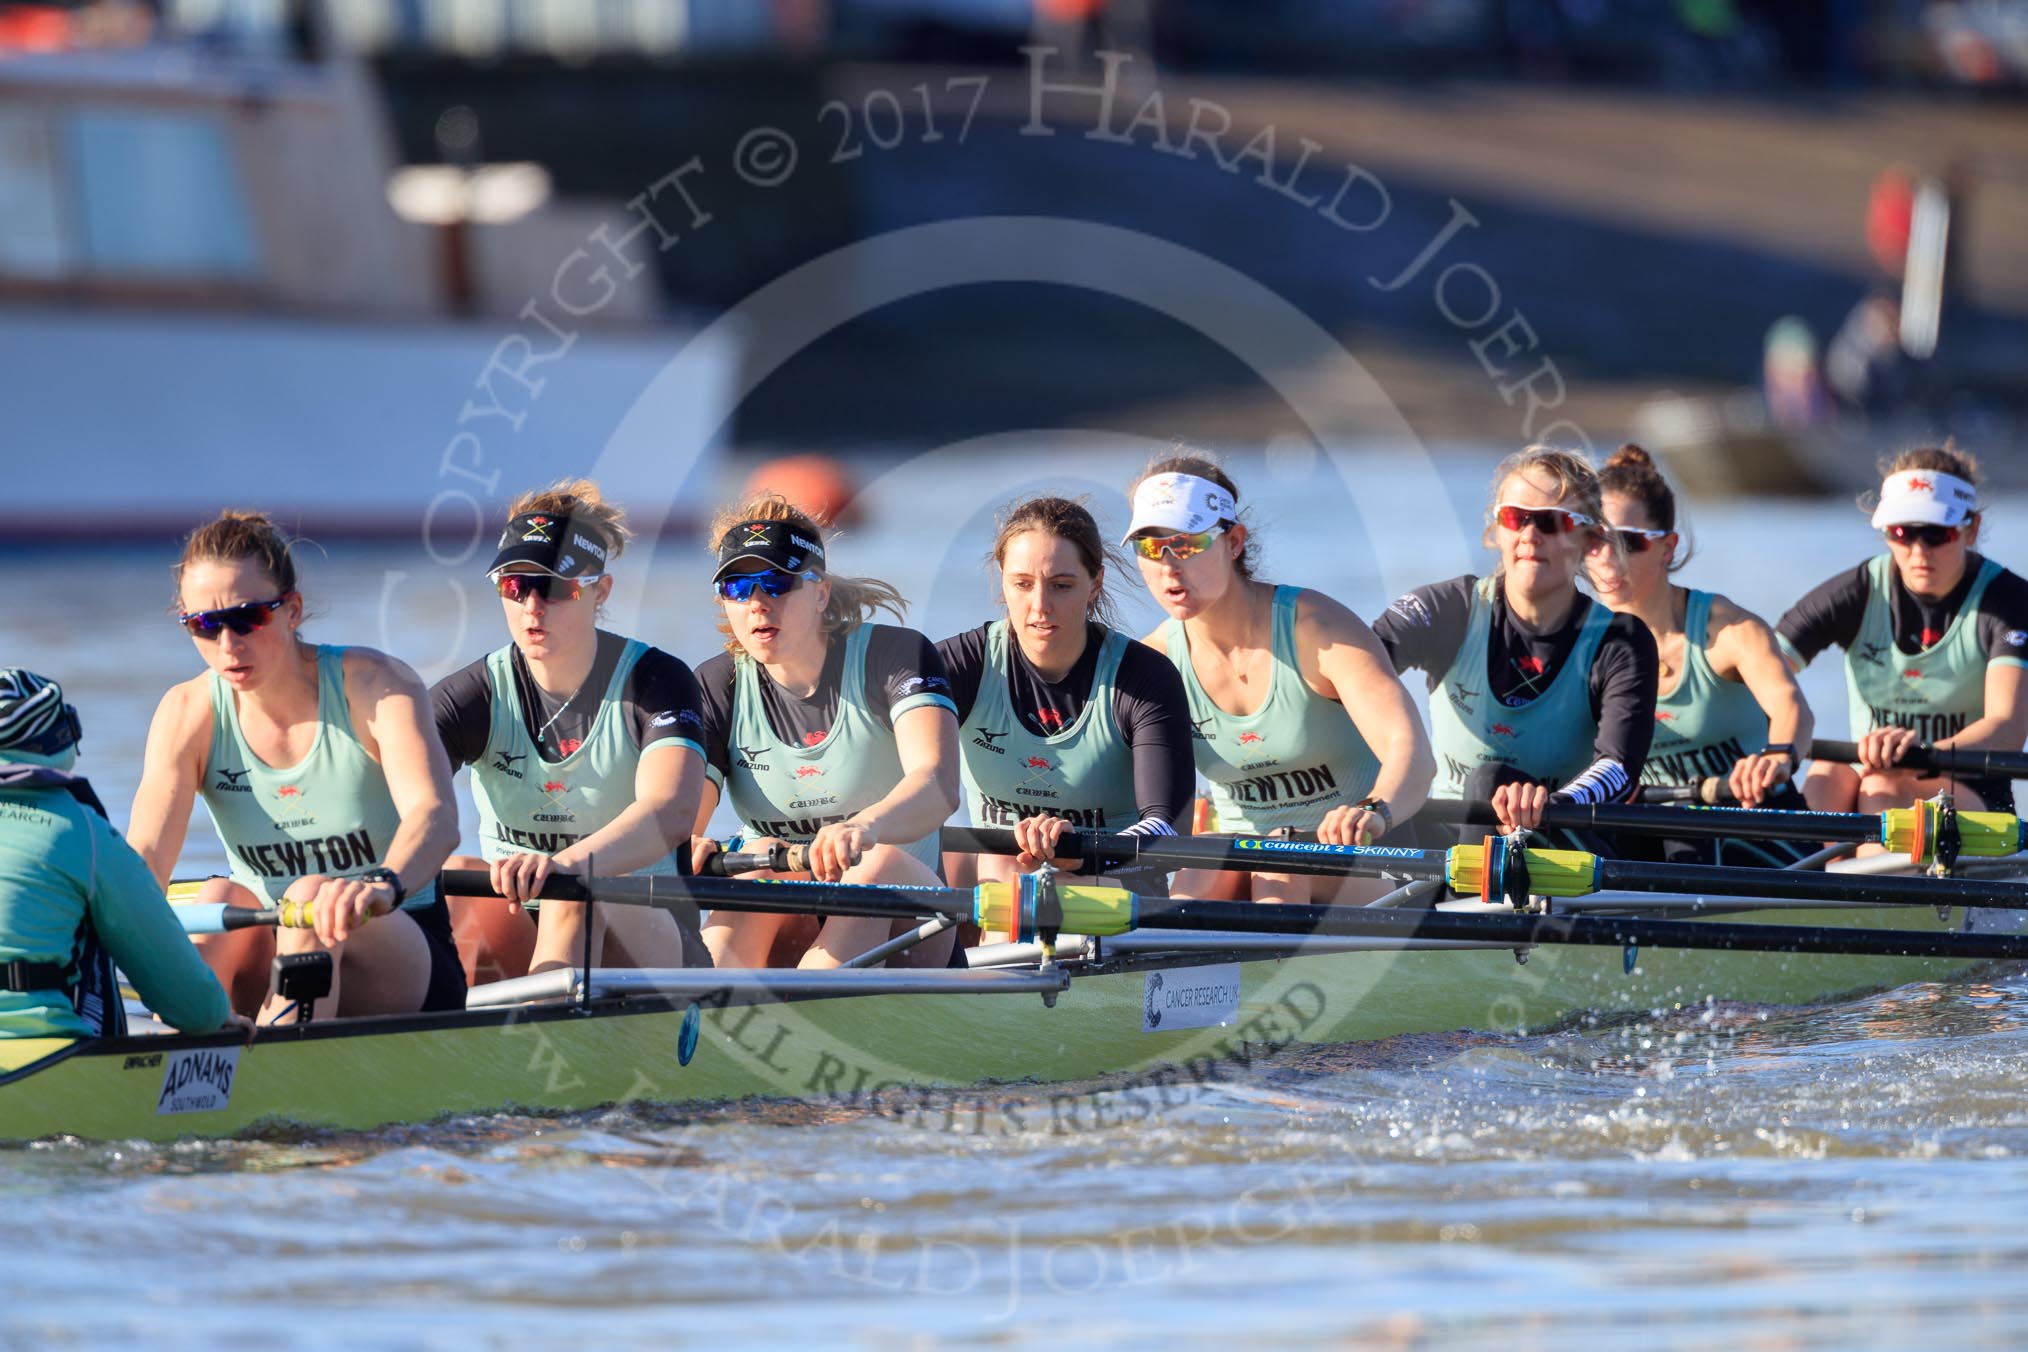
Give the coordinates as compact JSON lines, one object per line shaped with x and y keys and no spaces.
{"x":586,"y":750}
{"x":323,"y":778}
{"x":1064,"y":722}
{"x":1297,"y":720}
{"x":826,"y":730}
{"x":1732,"y":709}
{"x":1935,"y":638}
{"x":1546,"y":695}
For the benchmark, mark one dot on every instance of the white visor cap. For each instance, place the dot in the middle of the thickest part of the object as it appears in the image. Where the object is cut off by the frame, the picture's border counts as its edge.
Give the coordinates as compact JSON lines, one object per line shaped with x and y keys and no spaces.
{"x":1924,"y":497}
{"x":1177,"y":504}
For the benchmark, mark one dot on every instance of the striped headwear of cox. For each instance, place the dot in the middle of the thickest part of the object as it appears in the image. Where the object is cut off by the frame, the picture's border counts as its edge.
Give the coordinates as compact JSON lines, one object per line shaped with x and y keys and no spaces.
{"x":35,"y":724}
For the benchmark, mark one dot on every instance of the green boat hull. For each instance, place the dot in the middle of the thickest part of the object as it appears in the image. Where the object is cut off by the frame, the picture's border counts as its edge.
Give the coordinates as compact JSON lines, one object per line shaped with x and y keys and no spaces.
{"x":895,"y":1050}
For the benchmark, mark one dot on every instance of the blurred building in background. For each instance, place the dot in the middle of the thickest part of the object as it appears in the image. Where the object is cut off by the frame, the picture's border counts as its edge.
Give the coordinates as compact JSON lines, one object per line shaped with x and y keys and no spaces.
{"x":297,"y":236}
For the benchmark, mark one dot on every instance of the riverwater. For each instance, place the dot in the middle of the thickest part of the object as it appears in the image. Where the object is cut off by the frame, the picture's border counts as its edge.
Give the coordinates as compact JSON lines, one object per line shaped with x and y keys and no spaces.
{"x":1849,"y":1174}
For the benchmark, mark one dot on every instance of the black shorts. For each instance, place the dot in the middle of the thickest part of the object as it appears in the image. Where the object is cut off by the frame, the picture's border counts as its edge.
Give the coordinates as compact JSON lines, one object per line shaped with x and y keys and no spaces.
{"x":446,"y":988}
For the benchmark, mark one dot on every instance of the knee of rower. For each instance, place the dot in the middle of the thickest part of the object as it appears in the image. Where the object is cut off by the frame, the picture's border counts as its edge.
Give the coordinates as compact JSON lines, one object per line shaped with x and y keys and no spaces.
{"x":221,"y":891}
{"x":305,"y":887}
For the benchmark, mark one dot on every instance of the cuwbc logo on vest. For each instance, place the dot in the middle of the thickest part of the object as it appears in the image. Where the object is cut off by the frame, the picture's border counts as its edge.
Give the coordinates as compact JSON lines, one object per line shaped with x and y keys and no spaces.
{"x":553,"y":791}
{"x":808,"y":771}
{"x":1250,"y":739}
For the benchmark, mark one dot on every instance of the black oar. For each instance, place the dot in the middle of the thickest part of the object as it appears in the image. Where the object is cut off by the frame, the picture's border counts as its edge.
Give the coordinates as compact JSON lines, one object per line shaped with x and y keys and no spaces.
{"x":660,"y":891}
{"x":1640,"y":819}
{"x":1935,"y":760}
{"x":1923,"y":830}
{"x":1497,"y":872}
{"x":1095,"y":910}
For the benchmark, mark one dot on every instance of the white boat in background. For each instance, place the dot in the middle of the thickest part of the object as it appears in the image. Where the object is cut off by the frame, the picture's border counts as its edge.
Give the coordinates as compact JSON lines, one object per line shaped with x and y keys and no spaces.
{"x":202,"y":264}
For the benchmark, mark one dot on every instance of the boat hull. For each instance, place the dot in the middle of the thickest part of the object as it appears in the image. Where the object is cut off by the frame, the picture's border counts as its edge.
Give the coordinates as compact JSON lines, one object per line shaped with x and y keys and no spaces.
{"x":898,"y":1051}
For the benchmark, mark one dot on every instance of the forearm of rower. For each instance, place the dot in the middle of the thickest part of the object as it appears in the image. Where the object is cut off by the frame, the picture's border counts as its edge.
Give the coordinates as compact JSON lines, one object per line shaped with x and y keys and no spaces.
{"x":669,"y":788}
{"x":1406,"y":768}
{"x":421,"y":844}
{"x":919,"y":803}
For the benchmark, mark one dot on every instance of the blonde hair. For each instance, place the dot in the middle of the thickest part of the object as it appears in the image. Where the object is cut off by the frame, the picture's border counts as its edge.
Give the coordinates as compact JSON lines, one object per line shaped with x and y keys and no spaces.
{"x":579,"y":502}
{"x":236,"y":534}
{"x":1576,"y":482}
{"x":1182,"y":459}
{"x":854,"y":600}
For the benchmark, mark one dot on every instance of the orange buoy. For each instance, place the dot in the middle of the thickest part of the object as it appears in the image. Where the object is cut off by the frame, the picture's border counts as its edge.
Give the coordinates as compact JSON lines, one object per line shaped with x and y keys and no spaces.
{"x":817,"y":484}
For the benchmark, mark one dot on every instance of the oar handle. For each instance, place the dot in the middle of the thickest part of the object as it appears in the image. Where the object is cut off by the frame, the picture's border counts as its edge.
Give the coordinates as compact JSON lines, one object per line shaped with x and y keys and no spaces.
{"x":1935,"y":760}
{"x":1088,"y":852}
{"x":777,"y":858}
{"x":1711,"y":792}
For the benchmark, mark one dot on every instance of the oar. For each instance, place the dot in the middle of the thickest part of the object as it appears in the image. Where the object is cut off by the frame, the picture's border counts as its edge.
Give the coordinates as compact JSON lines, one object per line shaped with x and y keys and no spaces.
{"x":778,"y":858}
{"x":1712,"y":792}
{"x":1906,"y":830}
{"x":1494,"y":871}
{"x":662,"y":891}
{"x":1935,"y":760}
{"x":1028,"y":910}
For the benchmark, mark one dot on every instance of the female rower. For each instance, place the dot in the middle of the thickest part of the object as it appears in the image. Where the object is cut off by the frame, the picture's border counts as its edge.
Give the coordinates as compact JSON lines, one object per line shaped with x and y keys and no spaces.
{"x":72,"y":891}
{"x":1547,"y":696}
{"x":585,"y":747}
{"x":826,"y":730}
{"x":1296,"y":719}
{"x":1935,"y":638}
{"x":1064,"y":722}
{"x":1732,"y":709}
{"x":322,"y":775}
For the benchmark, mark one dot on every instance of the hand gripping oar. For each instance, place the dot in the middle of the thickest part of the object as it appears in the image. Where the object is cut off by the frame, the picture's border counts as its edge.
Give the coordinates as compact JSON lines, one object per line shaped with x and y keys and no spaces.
{"x":1967,"y":764}
{"x":1494,"y":870}
{"x":1025,"y":908}
{"x":1923,"y":831}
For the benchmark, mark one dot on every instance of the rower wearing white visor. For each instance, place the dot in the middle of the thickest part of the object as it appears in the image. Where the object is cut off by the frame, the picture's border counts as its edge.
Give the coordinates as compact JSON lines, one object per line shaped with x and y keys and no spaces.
{"x":1297,"y":719}
{"x":586,"y":750}
{"x":1935,"y":638}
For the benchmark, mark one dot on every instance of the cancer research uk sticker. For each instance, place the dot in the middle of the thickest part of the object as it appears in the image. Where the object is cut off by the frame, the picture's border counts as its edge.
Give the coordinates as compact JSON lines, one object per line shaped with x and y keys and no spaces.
{"x":198,"y":1080}
{"x":1190,"y":997}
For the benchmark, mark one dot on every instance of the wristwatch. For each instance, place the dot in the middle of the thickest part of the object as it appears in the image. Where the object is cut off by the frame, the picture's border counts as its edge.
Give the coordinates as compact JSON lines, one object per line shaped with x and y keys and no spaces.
{"x":384,"y":874}
{"x":1780,"y":749}
{"x":1378,"y":807}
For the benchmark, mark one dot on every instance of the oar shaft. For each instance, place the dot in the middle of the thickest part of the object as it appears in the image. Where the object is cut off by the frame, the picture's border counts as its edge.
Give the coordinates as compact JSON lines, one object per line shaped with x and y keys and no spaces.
{"x":1279,"y":856}
{"x":1094,"y":853}
{"x":670,"y":892}
{"x":1593,"y":931}
{"x":1757,"y":823}
{"x":1936,"y":760}
{"x":1883,"y":889}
